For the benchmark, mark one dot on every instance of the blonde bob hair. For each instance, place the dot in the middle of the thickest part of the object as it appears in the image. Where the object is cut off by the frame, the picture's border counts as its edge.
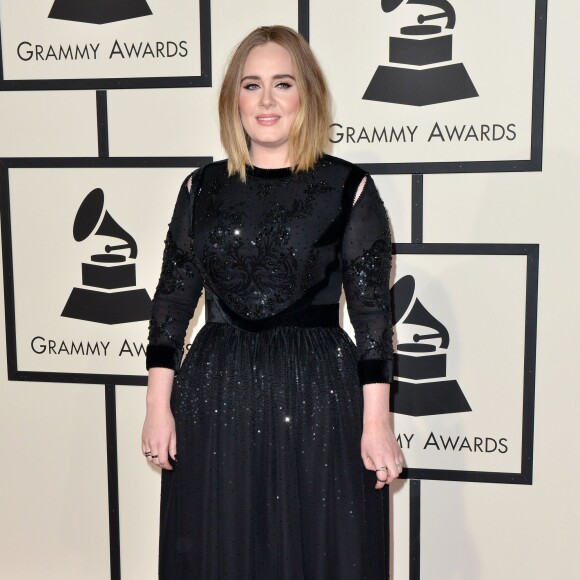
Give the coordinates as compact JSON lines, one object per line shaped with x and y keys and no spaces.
{"x":309,"y":131}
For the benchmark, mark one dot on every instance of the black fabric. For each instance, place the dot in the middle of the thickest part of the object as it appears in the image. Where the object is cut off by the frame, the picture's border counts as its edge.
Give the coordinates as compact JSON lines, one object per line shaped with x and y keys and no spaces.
{"x":270,"y":246}
{"x":163,"y":356}
{"x":375,"y":371}
{"x":311,"y":316}
{"x":269,"y":481}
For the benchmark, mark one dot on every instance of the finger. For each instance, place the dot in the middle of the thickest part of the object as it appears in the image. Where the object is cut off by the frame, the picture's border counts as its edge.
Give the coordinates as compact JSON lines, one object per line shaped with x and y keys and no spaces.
{"x":368,"y":463}
{"x":399,"y":464}
{"x":382,"y":479}
{"x":155,"y":459}
{"x":163,"y":460}
{"x":145,"y":447}
{"x":391,"y":463}
{"x":386,"y":477}
{"x":173,"y":446}
{"x":382,"y":475}
{"x":371,"y":466}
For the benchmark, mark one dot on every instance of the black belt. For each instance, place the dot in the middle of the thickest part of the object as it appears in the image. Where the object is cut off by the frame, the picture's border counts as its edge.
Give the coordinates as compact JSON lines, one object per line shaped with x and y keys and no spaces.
{"x":309,"y":316}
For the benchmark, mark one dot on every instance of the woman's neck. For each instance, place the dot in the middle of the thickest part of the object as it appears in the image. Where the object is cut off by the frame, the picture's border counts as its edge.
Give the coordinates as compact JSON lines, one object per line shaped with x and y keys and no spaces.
{"x":269,"y":158}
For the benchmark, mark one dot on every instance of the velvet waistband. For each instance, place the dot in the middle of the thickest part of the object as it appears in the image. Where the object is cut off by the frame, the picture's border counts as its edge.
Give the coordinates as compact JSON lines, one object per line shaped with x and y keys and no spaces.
{"x":309,"y":316}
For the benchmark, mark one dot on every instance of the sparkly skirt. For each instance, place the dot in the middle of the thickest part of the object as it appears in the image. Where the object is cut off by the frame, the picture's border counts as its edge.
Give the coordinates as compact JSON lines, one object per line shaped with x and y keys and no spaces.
{"x":269,"y":482}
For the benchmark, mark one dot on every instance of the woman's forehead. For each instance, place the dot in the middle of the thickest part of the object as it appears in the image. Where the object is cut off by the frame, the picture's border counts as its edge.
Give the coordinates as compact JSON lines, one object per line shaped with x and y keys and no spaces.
{"x":269,"y":59}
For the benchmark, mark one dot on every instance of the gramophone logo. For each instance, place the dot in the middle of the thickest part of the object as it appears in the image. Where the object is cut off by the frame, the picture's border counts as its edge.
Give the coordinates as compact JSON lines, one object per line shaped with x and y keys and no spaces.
{"x":109,"y":294}
{"x":420,"y":71}
{"x":420,"y":386}
{"x":99,"y":11}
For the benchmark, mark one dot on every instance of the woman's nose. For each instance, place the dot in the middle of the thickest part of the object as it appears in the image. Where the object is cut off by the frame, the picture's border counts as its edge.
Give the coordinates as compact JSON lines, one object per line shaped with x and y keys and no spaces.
{"x":267,"y":99}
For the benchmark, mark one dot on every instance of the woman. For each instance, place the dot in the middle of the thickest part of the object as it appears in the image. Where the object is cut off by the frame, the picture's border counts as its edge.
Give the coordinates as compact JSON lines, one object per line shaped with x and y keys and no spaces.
{"x":274,"y":404}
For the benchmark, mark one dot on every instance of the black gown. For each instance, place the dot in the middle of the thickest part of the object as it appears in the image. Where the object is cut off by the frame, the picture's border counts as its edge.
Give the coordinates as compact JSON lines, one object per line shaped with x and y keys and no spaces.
{"x":269,"y":482}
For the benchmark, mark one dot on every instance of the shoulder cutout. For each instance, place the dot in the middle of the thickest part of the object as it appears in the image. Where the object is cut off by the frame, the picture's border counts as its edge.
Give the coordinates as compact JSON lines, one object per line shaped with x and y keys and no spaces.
{"x":360,"y":189}
{"x":189,"y":182}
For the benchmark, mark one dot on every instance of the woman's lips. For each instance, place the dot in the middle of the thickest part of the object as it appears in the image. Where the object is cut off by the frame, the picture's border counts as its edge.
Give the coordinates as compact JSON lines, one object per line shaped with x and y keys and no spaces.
{"x":267,"y":119}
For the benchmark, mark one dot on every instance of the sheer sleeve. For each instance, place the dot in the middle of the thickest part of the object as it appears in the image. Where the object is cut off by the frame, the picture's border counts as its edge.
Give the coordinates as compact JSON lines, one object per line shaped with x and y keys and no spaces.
{"x":179,"y":287}
{"x":366,"y":266}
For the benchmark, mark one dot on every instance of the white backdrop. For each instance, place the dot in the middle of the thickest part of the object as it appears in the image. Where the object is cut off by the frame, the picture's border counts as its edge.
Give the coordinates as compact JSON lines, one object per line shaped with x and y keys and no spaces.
{"x":53,"y":505}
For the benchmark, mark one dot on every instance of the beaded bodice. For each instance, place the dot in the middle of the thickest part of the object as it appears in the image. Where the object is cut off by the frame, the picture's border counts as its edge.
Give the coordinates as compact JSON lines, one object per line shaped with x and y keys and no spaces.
{"x":279,"y":242}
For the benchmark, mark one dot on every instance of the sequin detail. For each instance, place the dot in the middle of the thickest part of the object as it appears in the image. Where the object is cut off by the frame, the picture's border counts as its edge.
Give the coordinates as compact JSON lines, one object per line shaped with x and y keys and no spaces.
{"x":368,"y":276}
{"x":177,"y":267}
{"x":257,"y":247}
{"x":162,"y":332}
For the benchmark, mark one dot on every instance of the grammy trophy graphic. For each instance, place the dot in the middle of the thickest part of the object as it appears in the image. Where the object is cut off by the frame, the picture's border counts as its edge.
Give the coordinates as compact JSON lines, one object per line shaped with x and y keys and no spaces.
{"x":109,"y":294}
{"x":420,"y":386}
{"x":420,"y":71}
{"x":99,"y":11}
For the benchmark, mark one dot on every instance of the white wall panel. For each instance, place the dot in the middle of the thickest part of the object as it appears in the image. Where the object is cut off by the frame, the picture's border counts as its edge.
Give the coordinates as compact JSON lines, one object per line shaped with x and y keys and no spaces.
{"x":53,"y":500}
{"x":400,"y":513}
{"x":396,"y":193}
{"x":163,"y":122}
{"x":139,"y":489}
{"x":54,"y":487}
{"x":48,"y":124}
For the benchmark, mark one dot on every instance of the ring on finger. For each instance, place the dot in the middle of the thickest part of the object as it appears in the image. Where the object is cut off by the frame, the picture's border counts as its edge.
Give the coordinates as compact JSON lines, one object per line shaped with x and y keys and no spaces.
{"x":154,"y":456}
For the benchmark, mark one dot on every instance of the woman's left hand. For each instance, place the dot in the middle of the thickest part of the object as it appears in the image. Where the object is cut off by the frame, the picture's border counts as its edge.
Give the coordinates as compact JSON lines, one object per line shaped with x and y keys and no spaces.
{"x":379,"y":448}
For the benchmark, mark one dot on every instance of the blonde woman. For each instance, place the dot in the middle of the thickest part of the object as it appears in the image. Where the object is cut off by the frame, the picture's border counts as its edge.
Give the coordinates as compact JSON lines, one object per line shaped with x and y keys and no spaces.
{"x":273,"y":435}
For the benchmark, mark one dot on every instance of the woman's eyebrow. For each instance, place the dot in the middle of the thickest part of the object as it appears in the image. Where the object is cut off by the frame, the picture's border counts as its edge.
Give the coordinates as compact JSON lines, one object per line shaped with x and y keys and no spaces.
{"x":257,"y":78}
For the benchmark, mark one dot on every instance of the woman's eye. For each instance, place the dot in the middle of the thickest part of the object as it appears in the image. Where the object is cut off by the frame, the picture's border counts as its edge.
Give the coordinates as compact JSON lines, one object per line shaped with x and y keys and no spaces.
{"x":251,"y":87}
{"x":283,"y":85}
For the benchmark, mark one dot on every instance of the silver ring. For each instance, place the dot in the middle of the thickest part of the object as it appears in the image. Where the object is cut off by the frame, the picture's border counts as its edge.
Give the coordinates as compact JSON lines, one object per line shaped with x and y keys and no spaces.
{"x":382,"y":468}
{"x":398,"y":465}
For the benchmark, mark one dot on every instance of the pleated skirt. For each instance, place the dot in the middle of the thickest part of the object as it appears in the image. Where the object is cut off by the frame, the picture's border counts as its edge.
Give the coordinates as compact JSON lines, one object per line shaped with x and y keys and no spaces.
{"x":269,"y":482}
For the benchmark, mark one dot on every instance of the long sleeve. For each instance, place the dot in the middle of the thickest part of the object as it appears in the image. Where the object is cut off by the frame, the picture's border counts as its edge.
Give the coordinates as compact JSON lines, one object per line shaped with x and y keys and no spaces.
{"x":179,"y":287}
{"x":366,"y":266}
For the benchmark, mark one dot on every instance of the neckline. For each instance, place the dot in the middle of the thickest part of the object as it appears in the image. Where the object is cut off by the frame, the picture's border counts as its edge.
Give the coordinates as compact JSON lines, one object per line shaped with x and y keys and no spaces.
{"x":272,"y":173}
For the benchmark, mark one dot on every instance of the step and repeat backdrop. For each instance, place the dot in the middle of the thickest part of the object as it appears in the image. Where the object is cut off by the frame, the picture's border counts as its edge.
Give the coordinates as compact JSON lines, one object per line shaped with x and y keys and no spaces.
{"x":100,"y":232}
{"x":419,"y":88}
{"x":434,"y":86}
{"x":71,"y":44}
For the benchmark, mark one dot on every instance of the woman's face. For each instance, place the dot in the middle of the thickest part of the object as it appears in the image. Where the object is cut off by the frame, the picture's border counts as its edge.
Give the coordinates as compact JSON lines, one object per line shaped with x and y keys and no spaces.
{"x":269,"y":98}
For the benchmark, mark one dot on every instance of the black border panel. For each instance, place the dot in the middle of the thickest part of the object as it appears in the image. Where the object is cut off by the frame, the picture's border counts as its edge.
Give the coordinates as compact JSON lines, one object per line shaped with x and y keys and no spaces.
{"x":204,"y":79}
{"x":304,"y":18}
{"x":415,"y":530}
{"x":1,"y":60}
{"x":534,"y":163}
{"x":71,"y":162}
{"x":102,"y":123}
{"x":113,"y":482}
{"x":14,"y":372}
{"x":531,"y":251}
{"x":417,"y":209}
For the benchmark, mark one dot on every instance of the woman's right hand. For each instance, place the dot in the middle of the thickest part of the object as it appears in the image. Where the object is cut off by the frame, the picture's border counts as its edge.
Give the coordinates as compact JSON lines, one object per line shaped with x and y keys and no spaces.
{"x":158,"y":436}
{"x":158,"y":440}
